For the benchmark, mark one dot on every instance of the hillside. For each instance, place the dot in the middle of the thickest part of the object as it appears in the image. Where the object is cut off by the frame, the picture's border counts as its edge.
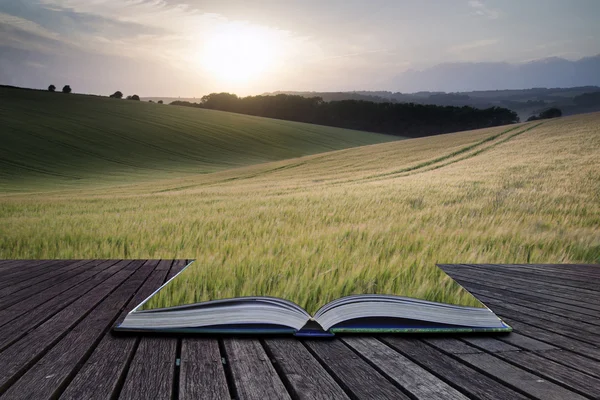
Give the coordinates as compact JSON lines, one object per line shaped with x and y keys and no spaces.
{"x":375,"y":216}
{"x":52,"y":140}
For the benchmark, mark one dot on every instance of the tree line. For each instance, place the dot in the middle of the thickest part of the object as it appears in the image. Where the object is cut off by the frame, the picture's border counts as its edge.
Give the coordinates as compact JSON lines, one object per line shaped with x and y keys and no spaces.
{"x":116,"y":95}
{"x":402,"y":119}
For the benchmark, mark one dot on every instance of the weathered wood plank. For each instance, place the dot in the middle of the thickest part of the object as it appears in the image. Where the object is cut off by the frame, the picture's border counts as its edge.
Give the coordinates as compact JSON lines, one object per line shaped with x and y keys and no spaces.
{"x":574,"y":361}
{"x":465,"y":345}
{"x":101,"y":375}
{"x":533,"y":289}
{"x":551,"y":337}
{"x":38,"y":314}
{"x":578,"y":284}
{"x":573,"y":380}
{"x":176,"y":268}
{"x":455,"y":373}
{"x":51,"y":373}
{"x":25,"y":271}
{"x":150,"y":375}
{"x":252,"y":371}
{"x":306,"y":378}
{"x":549,"y":349}
{"x":162,"y":361}
{"x":351,"y":372}
{"x":19,"y":356}
{"x":526,"y":342}
{"x":490,"y":344}
{"x":531,"y":281}
{"x":26,"y":292}
{"x":569,"y":274}
{"x":519,"y":378}
{"x":590,"y":270}
{"x":451,"y":345}
{"x":589,"y":325}
{"x":202,"y":375}
{"x":552,"y":326}
{"x":411,"y":377}
{"x":20,"y":266}
{"x":59,"y":271}
{"x":543,"y":302}
{"x":100,"y":271}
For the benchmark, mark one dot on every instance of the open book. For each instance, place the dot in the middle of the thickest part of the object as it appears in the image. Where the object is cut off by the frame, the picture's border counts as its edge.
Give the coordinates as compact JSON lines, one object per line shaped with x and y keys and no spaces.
{"x":358,"y":313}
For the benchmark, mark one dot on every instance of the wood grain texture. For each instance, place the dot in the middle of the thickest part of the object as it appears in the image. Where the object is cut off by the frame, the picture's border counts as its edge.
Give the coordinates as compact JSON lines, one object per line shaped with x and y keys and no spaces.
{"x":150,"y":375}
{"x":574,"y":380}
{"x":202,"y":375}
{"x":44,"y":305}
{"x":574,"y":361}
{"x":151,"y":372}
{"x":102,"y":373}
{"x":533,"y":283}
{"x":52,"y":372}
{"x":59,"y":271}
{"x":306,"y":378}
{"x":24,"y":270}
{"x":101,"y":271}
{"x":539,"y":291}
{"x":543,"y":303}
{"x":410,"y":376}
{"x":252,"y":371}
{"x":352,"y":372}
{"x":56,"y":342}
{"x":462,"y":377}
{"x":519,"y":378}
{"x":17,"y":358}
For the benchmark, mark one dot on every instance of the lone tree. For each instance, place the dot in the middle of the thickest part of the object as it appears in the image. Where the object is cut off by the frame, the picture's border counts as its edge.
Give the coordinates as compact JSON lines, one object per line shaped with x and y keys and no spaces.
{"x":66,"y":89}
{"x":51,"y":88}
{"x":133,"y":97}
{"x":160,"y":102}
{"x":551,"y":113}
{"x":546,"y":114}
{"x":116,"y":95}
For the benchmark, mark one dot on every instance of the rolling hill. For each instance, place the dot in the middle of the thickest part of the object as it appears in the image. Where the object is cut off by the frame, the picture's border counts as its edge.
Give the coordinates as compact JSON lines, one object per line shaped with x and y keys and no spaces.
{"x":379,"y":215}
{"x":53,"y":140}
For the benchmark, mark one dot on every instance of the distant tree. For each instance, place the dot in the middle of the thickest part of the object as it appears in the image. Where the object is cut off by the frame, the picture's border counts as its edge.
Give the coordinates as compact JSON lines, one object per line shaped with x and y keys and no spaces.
{"x":546,"y":114}
{"x":150,"y":101}
{"x":133,"y":97}
{"x":66,"y":89}
{"x":550,"y":113}
{"x":51,"y":88}
{"x":160,"y":102}
{"x":405,"y":119}
{"x":117,"y":95}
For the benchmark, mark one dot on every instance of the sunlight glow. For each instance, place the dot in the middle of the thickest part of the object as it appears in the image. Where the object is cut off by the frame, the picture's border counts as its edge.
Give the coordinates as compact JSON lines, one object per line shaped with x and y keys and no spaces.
{"x":239,"y":53}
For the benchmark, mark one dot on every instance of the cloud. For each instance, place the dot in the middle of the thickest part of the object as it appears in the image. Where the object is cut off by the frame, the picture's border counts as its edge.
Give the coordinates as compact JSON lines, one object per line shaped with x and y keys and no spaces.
{"x":26,"y":25}
{"x":477,"y":44}
{"x":480,"y":9}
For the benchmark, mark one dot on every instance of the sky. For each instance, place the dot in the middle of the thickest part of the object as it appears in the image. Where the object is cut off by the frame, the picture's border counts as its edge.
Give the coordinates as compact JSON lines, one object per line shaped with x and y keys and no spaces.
{"x":189,"y":48}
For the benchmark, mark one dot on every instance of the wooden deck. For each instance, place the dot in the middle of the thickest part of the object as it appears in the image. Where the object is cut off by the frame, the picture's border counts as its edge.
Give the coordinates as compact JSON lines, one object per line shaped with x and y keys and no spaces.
{"x":55,"y":342}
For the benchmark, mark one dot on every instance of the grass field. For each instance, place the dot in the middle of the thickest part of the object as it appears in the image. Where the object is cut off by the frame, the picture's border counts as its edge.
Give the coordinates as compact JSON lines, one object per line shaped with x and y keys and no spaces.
{"x":315,"y":228}
{"x":52,"y":140}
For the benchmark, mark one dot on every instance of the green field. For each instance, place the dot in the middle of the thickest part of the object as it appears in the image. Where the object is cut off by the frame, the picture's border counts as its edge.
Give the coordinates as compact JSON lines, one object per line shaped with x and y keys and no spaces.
{"x":56,"y":141}
{"x":311,"y":229}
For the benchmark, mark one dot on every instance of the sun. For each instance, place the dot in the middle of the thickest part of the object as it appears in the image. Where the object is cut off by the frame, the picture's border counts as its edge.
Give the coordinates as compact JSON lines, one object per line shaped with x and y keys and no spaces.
{"x":239,"y":54}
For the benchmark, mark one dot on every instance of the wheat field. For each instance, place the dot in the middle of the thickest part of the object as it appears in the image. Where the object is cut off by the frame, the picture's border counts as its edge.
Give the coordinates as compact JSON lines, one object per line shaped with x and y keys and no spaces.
{"x":315,"y":228}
